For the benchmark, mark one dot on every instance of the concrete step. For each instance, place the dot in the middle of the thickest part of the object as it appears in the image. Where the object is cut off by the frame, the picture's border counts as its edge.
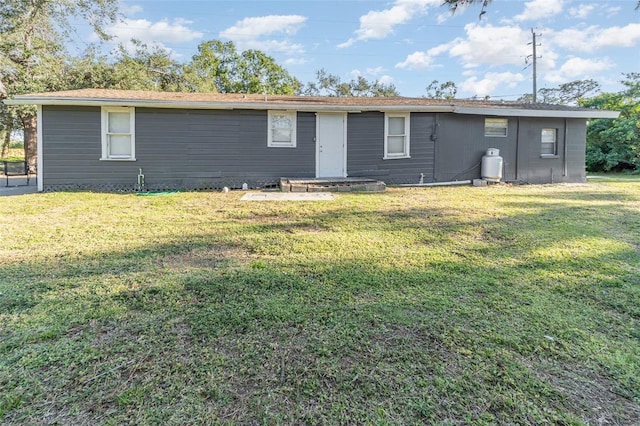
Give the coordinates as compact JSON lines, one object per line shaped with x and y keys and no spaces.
{"x":331,"y":185}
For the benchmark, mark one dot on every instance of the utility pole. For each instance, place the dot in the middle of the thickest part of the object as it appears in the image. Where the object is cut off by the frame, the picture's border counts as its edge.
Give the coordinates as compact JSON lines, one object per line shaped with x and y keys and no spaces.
{"x":534,"y":59}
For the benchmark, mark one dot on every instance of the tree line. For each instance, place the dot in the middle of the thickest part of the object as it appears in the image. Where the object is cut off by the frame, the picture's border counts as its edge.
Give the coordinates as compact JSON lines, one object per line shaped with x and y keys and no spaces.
{"x":33,"y":59}
{"x":217,"y":67}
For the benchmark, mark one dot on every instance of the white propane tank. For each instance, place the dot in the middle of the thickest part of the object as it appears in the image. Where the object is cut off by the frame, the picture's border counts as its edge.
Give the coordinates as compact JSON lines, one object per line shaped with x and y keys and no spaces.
{"x":491,"y":169}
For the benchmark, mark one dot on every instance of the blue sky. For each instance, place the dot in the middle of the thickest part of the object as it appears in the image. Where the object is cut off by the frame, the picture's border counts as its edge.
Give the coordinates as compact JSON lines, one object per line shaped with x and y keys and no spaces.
{"x":408,"y":42}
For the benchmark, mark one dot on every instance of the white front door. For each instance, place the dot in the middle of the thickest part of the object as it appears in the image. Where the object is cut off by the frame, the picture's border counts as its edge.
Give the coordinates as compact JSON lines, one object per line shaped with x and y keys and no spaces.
{"x":331,"y":145}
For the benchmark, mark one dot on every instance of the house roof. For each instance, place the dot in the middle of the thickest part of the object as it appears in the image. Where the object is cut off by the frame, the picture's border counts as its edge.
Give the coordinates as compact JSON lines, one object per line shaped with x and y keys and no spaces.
{"x":109,"y":97}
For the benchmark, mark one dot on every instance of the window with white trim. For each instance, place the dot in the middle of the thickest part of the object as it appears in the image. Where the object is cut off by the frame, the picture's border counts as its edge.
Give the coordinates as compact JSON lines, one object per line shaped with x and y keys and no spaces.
{"x":396,"y":136}
{"x":282,"y":129}
{"x":549,"y":143}
{"x":118,"y":133}
{"x":496,"y":127}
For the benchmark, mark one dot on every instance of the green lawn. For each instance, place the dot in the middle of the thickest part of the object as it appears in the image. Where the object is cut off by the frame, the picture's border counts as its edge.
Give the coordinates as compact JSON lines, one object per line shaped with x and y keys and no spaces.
{"x":461,"y":305}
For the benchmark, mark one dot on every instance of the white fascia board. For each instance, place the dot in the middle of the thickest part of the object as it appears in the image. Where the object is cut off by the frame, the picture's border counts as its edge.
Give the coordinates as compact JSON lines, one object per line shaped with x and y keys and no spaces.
{"x":543,"y":113}
{"x":25,"y":100}
{"x":499,"y":112}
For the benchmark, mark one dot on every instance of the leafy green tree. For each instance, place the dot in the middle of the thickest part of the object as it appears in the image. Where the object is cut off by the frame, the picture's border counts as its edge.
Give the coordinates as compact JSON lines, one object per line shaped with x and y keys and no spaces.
{"x":32,"y":58}
{"x":632,"y":83}
{"x":210,"y":69}
{"x":571,"y":93}
{"x":568,"y":93}
{"x":30,"y":53}
{"x":259,"y":73}
{"x":614,"y":144}
{"x":327,"y":85}
{"x":219,"y":67}
{"x":145,"y":68}
{"x":90,"y":70}
{"x":9,"y":122}
{"x":331,"y":85}
{"x":437,"y":90}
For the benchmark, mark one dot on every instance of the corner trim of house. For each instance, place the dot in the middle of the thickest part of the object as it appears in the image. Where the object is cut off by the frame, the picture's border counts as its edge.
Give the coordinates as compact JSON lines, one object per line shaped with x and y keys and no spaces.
{"x":39,"y":143}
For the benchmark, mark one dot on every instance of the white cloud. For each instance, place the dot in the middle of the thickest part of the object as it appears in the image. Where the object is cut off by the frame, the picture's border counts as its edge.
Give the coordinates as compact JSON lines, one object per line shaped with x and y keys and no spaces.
{"x":385,"y":79}
{"x":249,"y":32}
{"x":491,"y":82}
{"x":577,"y":69}
{"x":153,"y":33}
{"x":483,"y":45}
{"x":356,"y":73}
{"x":593,"y":38}
{"x":581,"y":11}
{"x":417,"y":61}
{"x":252,"y":28}
{"x":626,"y":36}
{"x":507,"y":47}
{"x":571,"y":39}
{"x":547,"y":62}
{"x":378,"y":24}
{"x":486,"y":44}
{"x":539,"y":9}
{"x":374,"y":71}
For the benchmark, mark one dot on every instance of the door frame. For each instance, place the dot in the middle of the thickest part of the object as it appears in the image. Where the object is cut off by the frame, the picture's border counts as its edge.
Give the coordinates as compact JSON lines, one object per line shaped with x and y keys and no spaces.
{"x":344,"y":136}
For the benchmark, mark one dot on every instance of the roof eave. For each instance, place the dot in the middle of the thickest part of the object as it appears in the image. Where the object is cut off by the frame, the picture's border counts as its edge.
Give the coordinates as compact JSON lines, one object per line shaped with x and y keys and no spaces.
{"x":542,"y":113}
{"x":213,"y":105}
{"x":99,"y":102}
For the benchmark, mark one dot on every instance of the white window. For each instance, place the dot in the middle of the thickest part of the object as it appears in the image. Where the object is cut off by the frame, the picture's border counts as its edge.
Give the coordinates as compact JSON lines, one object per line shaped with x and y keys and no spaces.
{"x":496,"y":127}
{"x":118,"y":133}
{"x":396,"y":136}
{"x":548,"y":147}
{"x":282,"y":129}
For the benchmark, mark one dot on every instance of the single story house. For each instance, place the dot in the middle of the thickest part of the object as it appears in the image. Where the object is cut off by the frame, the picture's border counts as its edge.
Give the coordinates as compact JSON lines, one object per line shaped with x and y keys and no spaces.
{"x":101,"y":139}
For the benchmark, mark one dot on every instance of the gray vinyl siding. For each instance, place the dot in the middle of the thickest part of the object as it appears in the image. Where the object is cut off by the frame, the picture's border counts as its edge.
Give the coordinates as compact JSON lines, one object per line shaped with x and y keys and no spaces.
{"x":365,"y":149}
{"x":71,"y":150}
{"x":576,"y":150}
{"x":202,"y":148}
{"x":188,"y":149}
{"x":461,"y":144}
{"x":209,"y":149}
{"x":569,"y":163}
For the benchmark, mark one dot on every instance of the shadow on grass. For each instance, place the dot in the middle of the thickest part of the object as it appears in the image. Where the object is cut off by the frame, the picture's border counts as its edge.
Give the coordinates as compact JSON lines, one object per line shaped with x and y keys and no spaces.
{"x":599,"y":196}
{"x":420,"y":315}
